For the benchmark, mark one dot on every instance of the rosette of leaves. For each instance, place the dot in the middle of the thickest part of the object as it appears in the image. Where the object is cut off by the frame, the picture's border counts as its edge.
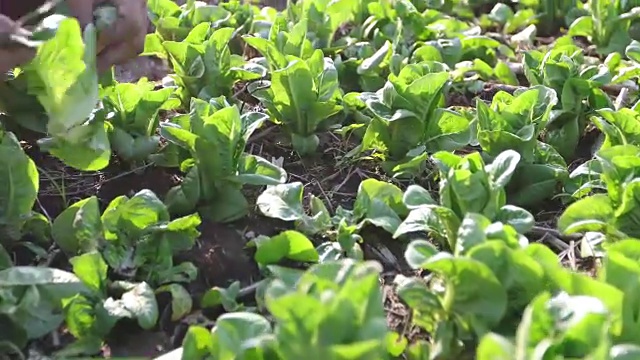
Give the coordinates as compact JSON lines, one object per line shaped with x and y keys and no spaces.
{"x":323,"y":18}
{"x":214,"y":135}
{"x":408,"y":120}
{"x":134,"y":117}
{"x":63,"y":79}
{"x":303,"y":97}
{"x":340,"y":311}
{"x":467,"y":295}
{"x":365,"y":68}
{"x":175,"y":22}
{"x":467,"y":186}
{"x":203,"y":64}
{"x":608,"y":25}
{"x":578,"y":86}
{"x":613,"y":213}
{"x":282,"y":43}
{"x":514,"y":122}
{"x":135,"y":236}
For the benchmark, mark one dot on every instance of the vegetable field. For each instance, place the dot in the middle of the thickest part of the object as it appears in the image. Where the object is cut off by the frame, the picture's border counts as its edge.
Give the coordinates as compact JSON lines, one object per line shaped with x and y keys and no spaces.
{"x":344,"y":179}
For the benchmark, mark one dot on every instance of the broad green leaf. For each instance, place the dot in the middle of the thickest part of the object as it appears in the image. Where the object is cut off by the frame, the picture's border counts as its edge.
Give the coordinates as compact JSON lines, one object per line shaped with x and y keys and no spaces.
{"x":141,"y":303}
{"x":416,"y":196}
{"x":418,"y":253}
{"x":593,"y":213}
{"x":78,"y":229}
{"x":502,"y":167}
{"x":58,"y":283}
{"x":92,"y":270}
{"x":282,"y":201}
{"x":472,"y":287}
{"x":290,"y":245}
{"x":181,"y":302}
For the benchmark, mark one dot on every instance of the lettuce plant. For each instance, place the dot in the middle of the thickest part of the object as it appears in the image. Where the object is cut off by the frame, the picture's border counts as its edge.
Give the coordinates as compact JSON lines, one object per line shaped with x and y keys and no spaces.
{"x":203,"y":64}
{"x":578,"y":86}
{"x":174,"y":22}
{"x":215,"y":135}
{"x":515,"y":122}
{"x":612,"y":213}
{"x":282,"y":41}
{"x":467,"y":186}
{"x":135,"y":236}
{"x":408,"y":120}
{"x":134,"y":117}
{"x":340,"y":314}
{"x":608,"y":24}
{"x":302,"y":97}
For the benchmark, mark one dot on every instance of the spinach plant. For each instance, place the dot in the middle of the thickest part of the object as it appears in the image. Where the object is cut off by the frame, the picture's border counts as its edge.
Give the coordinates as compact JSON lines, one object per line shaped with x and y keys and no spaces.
{"x":515,"y":122}
{"x":134,"y":117}
{"x":578,"y":86}
{"x":20,"y":183}
{"x":35,"y":301}
{"x":215,"y":135}
{"x":377,"y":203}
{"x":465,"y":296}
{"x":608,"y":25}
{"x":203,"y":64}
{"x":174,"y":22}
{"x":303,"y":97}
{"x":334,"y":309}
{"x":467,"y":186}
{"x":135,"y":236}
{"x":613,"y":213}
{"x":408,"y":120}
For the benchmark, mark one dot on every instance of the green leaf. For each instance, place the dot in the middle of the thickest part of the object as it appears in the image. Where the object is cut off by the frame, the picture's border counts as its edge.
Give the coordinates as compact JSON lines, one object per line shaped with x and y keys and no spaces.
{"x":282,"y":201}
{"x":380,"y":203}
{"x":78,"y":229}
{"x":502,"y":167}
{"x":471,"y":286}
{"x":495,"y":347}
{"x":197,"y":343}
{"x":92,"y":270}
{"x":181,"y":302}
{"x":418,"y":253}
{"x":519,"y":218}
{"x":58,"y":283}
{"x":593,"y":213}
{"x":141,"y":303}
{"x":19,"y":183}
{"x":289,"y":244}
{"x":416,"y":196}
{"x":64,"y":70}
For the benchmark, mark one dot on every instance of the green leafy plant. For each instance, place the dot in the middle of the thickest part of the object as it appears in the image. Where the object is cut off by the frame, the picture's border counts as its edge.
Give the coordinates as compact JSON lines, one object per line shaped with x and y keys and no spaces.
{"x":35,"y":301}
{"x":332,"y":310}
{"x":203,"y":64}
{"x":20,"y":185}
{"x":610,"y":25}
{"x":467,"y":186}
{"x":612,"y":213}
{"x":408,"y":120}
{"x":174,"y":22}
{"x":514,"y":122}
{"x":578,"y":86}
{"x":215,"y":135}
{"x":377,"y":203}
{"x":303,"y":97}
{"x":135,"y":236}
{"x":135,"y":119}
